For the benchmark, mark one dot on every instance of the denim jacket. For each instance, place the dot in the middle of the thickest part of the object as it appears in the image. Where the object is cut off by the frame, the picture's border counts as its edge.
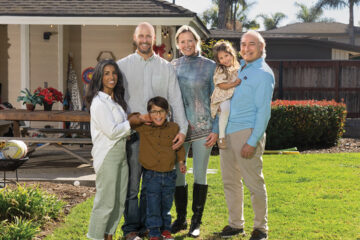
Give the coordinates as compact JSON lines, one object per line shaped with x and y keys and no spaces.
{"x":195,"y":76}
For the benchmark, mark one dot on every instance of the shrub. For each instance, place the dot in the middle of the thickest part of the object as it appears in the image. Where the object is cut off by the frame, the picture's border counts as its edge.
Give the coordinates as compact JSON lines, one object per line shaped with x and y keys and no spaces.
{"x":28,"y":203}
{"x":305,"y":124}
{"x":20,"y":229}
{"x":24,"y":209}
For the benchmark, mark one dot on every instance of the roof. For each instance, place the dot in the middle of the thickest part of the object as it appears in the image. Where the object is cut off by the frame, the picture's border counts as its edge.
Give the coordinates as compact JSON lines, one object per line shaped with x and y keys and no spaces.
{"x":314,"y":28}
{"x":278,"y":37}
{"x":228,"y":34}
{"x":94,"y":8}
{"x":98,"y":12}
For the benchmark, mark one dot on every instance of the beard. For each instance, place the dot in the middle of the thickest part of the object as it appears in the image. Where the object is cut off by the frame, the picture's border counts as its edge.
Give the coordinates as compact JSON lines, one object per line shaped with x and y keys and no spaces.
{"x":143,"y":51}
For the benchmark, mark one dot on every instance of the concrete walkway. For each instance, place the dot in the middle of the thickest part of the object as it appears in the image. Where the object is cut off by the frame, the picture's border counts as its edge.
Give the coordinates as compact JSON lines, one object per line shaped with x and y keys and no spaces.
{"x":53,"y":165}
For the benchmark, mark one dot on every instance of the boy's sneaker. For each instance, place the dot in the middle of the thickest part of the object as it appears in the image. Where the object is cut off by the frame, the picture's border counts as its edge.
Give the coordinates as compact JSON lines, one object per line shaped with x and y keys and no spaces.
{"x":132,"y":236}
{"x":228,"y":232}
{"x":221,"y":142}
{"x":166,"y":235}
{"x":258,"y":235}
{"x":155,"y":238}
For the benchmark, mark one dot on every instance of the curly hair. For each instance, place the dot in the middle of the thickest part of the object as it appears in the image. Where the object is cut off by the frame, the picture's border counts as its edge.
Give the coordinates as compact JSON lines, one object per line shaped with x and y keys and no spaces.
{"x":224,"y":46}
{"x":96,"y":84}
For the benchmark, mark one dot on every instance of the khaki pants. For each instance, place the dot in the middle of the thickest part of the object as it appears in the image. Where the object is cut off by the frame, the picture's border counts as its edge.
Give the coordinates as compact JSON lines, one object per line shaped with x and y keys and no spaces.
{"x":111,"y":189}
{"x":234,"y":168}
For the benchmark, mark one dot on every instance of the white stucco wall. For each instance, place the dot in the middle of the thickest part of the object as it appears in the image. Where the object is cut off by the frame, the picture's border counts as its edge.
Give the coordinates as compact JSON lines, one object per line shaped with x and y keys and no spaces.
{"x":94,"y":39}
{"x":14,"y":65}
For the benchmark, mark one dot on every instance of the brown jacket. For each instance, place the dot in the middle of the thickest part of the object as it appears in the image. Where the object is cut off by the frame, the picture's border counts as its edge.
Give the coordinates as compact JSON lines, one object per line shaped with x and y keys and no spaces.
{"x":155,"y":147}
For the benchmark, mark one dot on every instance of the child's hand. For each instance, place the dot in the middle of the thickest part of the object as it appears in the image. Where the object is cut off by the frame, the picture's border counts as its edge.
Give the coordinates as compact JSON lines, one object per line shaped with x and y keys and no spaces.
{"x":238,"y":81}
{"x":182,"y":167}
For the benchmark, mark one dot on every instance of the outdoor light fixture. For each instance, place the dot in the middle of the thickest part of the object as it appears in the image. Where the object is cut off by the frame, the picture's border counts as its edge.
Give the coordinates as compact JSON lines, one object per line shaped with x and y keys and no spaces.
{"x":48,"y":34}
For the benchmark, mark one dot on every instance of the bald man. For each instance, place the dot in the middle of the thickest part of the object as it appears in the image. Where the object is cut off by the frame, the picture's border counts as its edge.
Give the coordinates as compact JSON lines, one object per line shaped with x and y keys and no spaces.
{"x":245,"y":135}
{"x":146,"y":75}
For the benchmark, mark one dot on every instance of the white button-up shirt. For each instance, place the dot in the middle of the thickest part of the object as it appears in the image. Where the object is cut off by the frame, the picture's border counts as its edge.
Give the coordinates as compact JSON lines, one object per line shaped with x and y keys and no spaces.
{"x":108,"y":125}
{"x":145,"y":79}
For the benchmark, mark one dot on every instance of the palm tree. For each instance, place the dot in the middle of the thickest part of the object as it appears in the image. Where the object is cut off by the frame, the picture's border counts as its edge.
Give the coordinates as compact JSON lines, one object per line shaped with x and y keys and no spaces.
{"x":272,"y":21}
{"x":340,"y":4}
{"x":225,"y":11}
{"x":310,"y":14}
{"x":210,"y":16}
{"x":306,"y":14}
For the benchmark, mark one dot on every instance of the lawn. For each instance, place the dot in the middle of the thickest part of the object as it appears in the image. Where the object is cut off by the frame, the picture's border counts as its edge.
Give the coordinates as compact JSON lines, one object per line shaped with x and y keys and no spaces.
{"x":311,"y":196}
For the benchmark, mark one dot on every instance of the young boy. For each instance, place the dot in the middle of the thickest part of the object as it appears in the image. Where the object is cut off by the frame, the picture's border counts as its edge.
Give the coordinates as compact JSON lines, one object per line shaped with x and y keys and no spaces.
{"x":158,"y":159}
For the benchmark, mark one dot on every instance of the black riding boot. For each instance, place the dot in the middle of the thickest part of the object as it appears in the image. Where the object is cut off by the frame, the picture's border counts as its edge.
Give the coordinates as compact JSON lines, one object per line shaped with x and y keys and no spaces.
{"x":181,"y":198}
{"x":199,"y":199}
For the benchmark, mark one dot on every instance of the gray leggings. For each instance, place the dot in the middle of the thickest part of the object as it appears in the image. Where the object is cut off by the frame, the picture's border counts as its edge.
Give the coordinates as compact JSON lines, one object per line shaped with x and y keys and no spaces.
{"x":201,"y":156}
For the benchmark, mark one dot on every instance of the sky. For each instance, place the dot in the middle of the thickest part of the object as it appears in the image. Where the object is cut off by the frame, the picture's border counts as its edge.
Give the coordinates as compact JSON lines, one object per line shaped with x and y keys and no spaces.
{"x":272,"y":6}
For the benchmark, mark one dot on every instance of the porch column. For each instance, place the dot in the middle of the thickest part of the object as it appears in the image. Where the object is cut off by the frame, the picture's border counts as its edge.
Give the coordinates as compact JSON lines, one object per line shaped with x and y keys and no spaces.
{"x":173,"y":41}
{"x":158,"y":35}
{"x":24,"y":58}
{"x":60,"y":58}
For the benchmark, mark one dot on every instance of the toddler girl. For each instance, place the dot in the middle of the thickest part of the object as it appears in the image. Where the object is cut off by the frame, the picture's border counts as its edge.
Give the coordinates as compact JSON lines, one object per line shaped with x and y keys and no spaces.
{"x":225,"y":81}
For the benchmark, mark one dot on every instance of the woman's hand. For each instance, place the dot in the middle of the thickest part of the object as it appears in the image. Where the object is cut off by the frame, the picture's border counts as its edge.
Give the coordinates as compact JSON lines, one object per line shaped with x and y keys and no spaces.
{"x":145,"y":118}
{"x":182,"y":167}
{"x":211,"y":139}
{"x":178,"y":141}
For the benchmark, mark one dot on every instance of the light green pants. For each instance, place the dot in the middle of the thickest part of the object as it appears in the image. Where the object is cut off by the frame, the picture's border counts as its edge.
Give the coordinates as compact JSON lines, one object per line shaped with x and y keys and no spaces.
{"x":111,"y":189}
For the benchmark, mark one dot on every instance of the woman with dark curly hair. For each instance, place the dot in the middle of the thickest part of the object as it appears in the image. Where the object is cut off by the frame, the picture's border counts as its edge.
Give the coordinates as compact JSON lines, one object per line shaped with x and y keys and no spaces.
{"x":109,"y":129}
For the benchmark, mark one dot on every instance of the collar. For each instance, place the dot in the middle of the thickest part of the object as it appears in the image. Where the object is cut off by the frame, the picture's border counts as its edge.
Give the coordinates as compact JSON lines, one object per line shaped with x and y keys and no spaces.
{"x":255,"y":63}
{"x":193,"y":56}
{"x":139,"y":57}
{"x":166,"y":123}
{"x":103,"y":95}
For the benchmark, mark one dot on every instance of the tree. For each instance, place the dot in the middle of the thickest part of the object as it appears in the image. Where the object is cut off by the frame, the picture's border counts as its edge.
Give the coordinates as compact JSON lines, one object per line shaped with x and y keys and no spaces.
{"x":312,"y":14}
{"x":228,"y":11}
{"x":210,"y":16}
{"x":341,"y":4}
{"x":306,"y":14}
{"x":223,"y":13}
{"x":272,"y":21}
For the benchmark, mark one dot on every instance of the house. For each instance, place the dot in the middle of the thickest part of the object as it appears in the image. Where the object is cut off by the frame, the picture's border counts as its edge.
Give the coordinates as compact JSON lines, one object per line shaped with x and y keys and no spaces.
{"x":316,"y":41}
{"x":38,"y":36}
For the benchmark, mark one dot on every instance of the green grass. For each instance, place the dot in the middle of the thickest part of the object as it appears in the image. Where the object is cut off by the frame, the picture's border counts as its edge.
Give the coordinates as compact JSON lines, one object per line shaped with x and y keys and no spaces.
{"x":311,"y":196}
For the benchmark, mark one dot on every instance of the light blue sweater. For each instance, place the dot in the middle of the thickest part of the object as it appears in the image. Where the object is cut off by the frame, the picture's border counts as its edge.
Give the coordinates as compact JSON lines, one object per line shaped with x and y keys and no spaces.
{"x":250,"y":106}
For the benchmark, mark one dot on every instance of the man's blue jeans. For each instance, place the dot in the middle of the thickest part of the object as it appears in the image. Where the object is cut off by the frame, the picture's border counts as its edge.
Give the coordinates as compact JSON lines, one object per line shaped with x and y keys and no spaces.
{"x":134,"y":213}
{"x":160,"y":188}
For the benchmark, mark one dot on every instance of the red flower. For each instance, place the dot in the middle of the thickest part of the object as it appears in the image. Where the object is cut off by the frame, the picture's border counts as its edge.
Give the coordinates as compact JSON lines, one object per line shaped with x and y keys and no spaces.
{"x":49,"y":95}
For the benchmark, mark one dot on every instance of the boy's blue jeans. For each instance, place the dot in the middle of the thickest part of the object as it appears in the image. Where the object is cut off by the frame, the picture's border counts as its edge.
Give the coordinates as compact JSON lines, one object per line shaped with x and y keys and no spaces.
{"x":160,"y":188}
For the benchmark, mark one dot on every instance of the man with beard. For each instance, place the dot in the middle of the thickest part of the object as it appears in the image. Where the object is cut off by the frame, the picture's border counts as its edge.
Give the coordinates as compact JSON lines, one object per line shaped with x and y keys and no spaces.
{"x":146,"y":75}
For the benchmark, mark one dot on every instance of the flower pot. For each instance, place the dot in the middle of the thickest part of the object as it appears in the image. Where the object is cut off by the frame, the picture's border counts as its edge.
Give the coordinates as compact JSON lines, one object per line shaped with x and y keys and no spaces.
{"x":30,"y":107}
{"x":47,"y":107}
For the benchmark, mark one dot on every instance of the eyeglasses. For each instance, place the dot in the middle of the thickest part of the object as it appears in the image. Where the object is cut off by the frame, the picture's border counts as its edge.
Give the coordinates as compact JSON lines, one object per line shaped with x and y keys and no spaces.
{"x":154,"y":112}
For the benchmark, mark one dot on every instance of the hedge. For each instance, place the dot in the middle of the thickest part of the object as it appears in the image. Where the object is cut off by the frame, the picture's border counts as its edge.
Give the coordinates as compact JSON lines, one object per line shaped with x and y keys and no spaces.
{"x":305,"y":124}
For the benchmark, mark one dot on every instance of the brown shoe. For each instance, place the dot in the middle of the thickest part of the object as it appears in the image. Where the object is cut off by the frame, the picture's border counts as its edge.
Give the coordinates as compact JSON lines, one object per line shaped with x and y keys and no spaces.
{"x":221,"y":142}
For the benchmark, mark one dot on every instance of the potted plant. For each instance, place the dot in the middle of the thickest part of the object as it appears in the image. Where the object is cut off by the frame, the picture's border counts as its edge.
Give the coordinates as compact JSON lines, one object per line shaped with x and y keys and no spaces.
{"x":49,"y":96}
{"x":30,"y":99}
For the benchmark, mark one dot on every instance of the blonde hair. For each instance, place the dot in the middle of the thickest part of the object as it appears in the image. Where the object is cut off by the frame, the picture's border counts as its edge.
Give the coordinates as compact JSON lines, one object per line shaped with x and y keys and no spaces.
{"x":184,"y":29}
{"x":225,"y":46}
{"x":260,"y":38}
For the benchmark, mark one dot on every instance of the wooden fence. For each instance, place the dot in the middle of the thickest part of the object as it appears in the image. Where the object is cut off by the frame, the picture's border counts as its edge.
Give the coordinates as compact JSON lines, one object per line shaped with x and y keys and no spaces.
{"x":299,"y":80}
